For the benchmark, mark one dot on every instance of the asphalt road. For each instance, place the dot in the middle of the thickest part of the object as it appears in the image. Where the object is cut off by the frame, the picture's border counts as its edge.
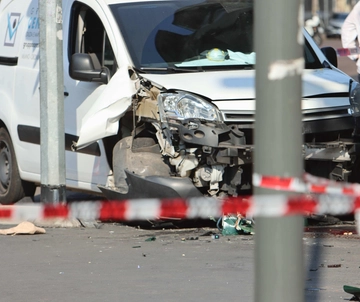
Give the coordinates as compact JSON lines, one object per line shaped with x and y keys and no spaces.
{"x":119,"y":263}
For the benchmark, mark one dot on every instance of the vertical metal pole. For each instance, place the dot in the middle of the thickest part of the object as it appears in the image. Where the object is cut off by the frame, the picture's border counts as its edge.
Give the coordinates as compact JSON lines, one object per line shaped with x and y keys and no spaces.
{"x":53,"y":188}
{"x":279,"y":267}
{"x":326,"y":14}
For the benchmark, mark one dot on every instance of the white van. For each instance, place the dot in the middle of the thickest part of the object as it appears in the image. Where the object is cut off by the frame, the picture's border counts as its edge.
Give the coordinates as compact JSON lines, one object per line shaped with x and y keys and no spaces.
{"x":159,"y":98}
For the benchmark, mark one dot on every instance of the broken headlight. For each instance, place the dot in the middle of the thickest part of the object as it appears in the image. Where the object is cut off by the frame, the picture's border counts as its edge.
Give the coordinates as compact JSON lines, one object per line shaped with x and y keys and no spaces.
{"x":354,"y":109}
{"x":182,"y":105}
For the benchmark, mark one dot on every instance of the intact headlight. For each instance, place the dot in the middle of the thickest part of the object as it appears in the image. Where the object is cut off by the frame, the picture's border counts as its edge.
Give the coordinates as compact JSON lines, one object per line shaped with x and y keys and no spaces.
{"x":355,"y":99}
{"x":182,"y":105}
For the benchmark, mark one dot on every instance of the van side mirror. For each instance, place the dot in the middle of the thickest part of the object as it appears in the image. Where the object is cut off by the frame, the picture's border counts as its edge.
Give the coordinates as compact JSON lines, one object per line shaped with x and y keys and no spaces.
{"x":82,"y":69}
{"x":330,"y":54}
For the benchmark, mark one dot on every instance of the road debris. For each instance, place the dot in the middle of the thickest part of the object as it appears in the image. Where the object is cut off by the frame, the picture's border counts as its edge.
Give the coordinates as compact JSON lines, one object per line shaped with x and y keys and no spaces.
{"x":183,"y":239}
{"x":153,"y":238}
{"x":334,"y":265}
{"x":23,"y":228}
{"x":236,"y":225}
{"x":355,"y":291}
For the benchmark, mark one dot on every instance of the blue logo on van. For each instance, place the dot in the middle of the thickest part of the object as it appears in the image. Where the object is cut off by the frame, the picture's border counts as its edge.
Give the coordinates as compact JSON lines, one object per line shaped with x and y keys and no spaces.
{"x":13,"y":25}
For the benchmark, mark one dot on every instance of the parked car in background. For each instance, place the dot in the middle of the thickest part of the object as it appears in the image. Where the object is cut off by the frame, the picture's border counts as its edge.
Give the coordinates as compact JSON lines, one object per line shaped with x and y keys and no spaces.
{"x":333,"y":29}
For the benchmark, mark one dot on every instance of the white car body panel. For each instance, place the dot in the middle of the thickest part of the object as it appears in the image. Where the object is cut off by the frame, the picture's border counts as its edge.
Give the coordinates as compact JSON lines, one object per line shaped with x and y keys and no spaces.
{"x":240,"y":84}
{"x":102,"y":118}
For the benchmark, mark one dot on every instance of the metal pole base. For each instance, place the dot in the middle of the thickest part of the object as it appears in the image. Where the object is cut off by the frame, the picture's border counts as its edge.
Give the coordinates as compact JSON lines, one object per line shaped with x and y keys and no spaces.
{"x":53,"y":194}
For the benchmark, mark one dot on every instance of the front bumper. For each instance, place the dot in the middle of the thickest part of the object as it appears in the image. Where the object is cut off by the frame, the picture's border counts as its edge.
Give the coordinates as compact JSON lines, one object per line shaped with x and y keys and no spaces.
{"x":153,"y":187}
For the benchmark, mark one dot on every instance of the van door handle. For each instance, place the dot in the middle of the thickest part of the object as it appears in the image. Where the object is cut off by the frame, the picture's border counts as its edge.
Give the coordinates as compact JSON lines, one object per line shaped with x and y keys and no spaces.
{"x":66,"y":93}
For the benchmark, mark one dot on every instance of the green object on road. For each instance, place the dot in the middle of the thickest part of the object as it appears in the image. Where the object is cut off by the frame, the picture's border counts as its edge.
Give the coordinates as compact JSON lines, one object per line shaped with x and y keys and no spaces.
{"x":353,"y":291}
{"x":234,"y":225}
{"x":228,"y":225}
{"x":153,"y":238}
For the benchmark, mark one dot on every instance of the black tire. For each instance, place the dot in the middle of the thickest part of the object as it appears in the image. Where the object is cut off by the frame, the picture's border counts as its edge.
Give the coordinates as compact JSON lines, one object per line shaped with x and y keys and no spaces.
{"x":12,"y":188}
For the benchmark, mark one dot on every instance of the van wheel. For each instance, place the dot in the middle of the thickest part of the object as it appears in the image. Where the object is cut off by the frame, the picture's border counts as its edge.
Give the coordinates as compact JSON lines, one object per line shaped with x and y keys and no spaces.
{"x":11,"y":186}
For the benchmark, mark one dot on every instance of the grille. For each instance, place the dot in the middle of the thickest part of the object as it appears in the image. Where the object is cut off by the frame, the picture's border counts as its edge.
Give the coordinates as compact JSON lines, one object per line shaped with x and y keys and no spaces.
{"x":308,"y":115}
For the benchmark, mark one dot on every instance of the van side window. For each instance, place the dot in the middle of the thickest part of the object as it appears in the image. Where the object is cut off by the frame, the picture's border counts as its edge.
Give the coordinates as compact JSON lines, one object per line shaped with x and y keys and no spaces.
{"x":109,"y":58}
{"x":88,"y":35}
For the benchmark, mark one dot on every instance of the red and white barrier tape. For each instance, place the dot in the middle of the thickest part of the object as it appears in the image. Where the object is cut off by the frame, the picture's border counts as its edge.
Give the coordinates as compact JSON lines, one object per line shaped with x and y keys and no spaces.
{"x":331,"y":197}
{"x":309,"y":184}
{"x":143,"y":209}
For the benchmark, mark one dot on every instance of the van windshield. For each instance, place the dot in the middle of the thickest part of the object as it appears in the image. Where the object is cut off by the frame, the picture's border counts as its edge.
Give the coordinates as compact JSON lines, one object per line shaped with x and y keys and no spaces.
{"x":192,"y":35}
{"x":188,"y":33}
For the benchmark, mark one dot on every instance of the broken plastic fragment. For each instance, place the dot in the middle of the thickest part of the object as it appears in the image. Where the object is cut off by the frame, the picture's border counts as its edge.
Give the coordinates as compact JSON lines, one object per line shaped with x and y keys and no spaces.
{"x":153,"y":238}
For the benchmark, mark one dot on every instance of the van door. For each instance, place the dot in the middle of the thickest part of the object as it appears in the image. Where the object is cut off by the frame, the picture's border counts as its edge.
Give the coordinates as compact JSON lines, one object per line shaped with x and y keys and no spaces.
{"x":92,"y":107}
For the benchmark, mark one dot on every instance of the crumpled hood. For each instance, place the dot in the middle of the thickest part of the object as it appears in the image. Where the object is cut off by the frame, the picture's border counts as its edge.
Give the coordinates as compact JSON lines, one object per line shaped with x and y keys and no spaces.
{"x":240,"y":84}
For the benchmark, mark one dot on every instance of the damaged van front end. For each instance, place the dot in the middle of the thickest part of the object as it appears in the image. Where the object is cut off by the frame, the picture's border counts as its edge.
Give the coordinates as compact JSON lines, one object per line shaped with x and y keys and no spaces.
{"x":179,"y":147}
{"x":180,"y":108}
{"x":174,"y":141}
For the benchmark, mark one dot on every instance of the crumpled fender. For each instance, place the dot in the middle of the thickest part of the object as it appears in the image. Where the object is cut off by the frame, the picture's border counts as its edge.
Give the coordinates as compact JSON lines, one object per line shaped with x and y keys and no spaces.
{"x":102,"y":118}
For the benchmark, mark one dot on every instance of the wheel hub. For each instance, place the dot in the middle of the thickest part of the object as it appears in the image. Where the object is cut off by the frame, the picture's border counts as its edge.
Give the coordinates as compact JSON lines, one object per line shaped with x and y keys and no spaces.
{"x":4,"y":168}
